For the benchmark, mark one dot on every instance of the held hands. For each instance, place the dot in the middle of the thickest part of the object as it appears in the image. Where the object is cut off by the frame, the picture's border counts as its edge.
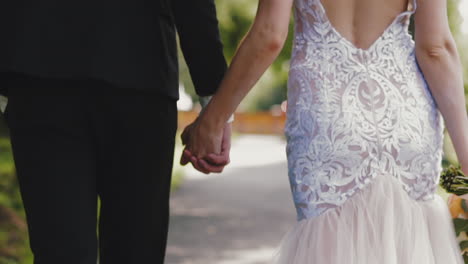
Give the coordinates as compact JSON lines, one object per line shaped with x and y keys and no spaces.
{"x":207,"y":148}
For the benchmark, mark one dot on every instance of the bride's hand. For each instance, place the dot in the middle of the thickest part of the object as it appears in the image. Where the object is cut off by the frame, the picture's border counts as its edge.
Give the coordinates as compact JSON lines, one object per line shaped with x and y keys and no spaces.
{"x":207,"y":147}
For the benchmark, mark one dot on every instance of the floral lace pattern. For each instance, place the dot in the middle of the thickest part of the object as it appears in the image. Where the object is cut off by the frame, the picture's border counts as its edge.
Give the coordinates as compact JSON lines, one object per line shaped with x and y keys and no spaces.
{"x":354,"y":114}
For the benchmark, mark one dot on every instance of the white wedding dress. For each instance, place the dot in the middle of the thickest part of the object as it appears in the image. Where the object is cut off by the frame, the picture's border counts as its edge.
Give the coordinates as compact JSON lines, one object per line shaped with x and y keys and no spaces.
{"x":364,"y":150}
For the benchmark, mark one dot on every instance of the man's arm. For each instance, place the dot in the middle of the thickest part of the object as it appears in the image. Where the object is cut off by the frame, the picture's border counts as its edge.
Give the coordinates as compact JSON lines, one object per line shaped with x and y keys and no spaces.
{"x":197,"y":26}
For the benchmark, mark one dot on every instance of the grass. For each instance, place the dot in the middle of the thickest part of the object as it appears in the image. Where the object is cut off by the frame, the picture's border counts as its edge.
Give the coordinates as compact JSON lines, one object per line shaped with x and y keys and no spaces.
{"x":178,"y":170}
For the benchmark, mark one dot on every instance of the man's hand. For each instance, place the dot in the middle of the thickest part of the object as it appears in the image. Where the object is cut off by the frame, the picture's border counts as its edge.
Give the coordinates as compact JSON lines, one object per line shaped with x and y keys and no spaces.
{"x":197,"y":152}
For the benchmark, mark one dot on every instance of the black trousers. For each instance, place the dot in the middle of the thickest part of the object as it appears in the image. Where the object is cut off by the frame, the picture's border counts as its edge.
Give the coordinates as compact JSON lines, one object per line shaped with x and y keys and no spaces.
{"x":75,"y":141}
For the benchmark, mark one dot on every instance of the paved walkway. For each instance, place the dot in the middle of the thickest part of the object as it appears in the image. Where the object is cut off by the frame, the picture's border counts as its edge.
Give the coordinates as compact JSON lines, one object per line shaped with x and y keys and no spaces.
{"x":238,"y":217}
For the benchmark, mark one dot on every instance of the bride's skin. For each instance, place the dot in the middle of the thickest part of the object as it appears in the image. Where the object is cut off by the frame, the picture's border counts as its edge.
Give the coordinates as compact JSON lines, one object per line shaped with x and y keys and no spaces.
{"x":435,"y":51}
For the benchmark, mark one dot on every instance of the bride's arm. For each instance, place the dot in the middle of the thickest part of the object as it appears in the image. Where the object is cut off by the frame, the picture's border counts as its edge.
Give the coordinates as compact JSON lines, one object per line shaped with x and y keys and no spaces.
{"x":438,"y":58}
{"x":256,"y":53}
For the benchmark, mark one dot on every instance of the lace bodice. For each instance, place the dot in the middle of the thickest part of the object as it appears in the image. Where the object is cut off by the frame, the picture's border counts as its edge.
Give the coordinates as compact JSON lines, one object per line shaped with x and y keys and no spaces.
{"x":354,"y":114}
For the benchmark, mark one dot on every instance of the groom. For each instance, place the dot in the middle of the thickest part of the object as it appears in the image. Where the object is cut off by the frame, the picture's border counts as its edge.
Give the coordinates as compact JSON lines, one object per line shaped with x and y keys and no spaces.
{"x":92,"y":87}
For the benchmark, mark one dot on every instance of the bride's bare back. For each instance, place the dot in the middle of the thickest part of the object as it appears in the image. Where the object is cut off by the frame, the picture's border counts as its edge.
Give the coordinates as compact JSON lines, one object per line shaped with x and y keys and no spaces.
{"x":363,"y":21}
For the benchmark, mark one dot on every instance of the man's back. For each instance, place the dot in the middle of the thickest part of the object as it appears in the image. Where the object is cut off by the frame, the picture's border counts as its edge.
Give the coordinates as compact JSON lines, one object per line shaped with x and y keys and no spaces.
{"x":131,"y":43}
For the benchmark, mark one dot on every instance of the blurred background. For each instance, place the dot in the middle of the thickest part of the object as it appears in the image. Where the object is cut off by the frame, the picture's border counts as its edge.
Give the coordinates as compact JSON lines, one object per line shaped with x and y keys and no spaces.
{"x":240,"y":216}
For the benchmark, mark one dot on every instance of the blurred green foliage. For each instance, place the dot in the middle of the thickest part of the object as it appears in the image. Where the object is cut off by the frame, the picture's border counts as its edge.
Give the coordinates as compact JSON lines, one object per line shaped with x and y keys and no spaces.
{"x":13,"y":231}
{"x":455,"y":20}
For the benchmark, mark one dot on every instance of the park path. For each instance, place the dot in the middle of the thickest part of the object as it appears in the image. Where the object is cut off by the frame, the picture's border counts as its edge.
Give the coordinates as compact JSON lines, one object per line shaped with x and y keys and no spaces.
{"x":238,"y":217}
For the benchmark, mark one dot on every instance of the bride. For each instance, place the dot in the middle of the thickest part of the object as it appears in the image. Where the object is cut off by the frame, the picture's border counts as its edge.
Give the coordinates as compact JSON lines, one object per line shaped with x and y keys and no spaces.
{"x":367,"y":107}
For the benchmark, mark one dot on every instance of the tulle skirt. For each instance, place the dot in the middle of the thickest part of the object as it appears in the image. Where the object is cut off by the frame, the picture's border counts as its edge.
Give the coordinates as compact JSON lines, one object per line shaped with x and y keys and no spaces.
{"x":380,"y":224}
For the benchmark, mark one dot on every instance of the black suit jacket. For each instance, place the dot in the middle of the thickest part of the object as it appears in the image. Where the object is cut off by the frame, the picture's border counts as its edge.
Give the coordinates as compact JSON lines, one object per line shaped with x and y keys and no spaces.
{"x":130,"y":43}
